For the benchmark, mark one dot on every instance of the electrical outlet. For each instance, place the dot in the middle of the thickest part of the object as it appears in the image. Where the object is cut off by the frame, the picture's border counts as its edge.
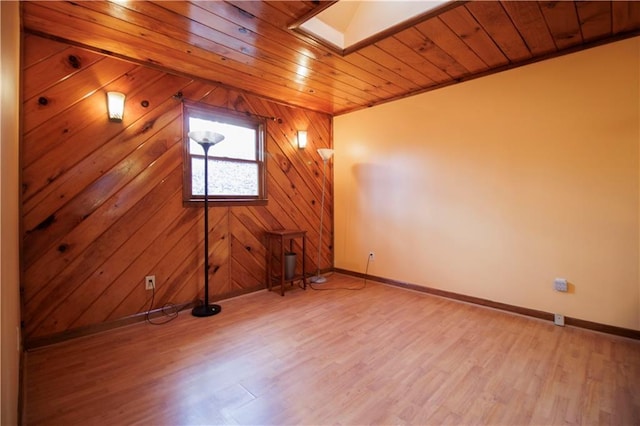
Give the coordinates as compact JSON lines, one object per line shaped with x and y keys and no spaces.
{"x":558,"y":319}
{"x":372,"y":256}
{"x":150,"y":282}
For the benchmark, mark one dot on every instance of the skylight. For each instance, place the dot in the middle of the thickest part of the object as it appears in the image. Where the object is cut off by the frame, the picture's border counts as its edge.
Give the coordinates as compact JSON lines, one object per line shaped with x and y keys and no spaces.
{"x":348,"y":25}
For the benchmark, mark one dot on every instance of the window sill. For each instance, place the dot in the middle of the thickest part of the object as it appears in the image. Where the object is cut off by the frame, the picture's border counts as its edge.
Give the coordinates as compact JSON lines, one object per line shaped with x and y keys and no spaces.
{"x":226,"y":202}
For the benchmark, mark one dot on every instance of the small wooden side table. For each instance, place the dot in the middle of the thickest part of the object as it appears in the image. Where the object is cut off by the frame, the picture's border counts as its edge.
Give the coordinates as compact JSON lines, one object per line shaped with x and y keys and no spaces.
{"x":284,"y":236}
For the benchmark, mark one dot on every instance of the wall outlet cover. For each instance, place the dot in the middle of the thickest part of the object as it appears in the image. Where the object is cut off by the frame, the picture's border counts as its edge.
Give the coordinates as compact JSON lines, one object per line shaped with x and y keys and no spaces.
{"x":150,"y":282}
{"x":560,"y":284}
{"x":558,"y":319}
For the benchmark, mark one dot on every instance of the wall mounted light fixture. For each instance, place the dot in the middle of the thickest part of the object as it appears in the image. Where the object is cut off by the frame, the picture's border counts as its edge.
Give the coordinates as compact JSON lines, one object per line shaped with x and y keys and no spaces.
{"x":115,"y":104}
{"x":302,"y":139}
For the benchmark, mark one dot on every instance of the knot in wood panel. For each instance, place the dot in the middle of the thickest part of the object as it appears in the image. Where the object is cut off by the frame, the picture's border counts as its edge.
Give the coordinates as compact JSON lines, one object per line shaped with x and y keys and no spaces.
{"x":74,"y":61}
{"x":46,"y":223}
{"x":239,"y":104}
{"x":148,"y":125}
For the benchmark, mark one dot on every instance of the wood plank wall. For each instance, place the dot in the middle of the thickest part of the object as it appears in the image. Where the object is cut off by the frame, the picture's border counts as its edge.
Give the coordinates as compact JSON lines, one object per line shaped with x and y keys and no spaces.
{"x":102,"y":201}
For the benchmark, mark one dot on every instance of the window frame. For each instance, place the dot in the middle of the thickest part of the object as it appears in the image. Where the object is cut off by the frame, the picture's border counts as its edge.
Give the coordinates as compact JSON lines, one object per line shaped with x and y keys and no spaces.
{"x":208,"y":112}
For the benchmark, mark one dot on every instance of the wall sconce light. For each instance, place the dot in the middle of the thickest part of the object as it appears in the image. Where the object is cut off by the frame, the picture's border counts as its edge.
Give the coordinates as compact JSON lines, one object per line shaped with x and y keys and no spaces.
{"x":115,"y":104}
{"x":302,"y":139}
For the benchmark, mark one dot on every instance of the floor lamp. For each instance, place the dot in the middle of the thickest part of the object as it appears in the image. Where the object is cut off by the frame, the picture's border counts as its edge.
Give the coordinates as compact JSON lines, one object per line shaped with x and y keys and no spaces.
{"x":326,"y":154}
{"x":206,"y":140}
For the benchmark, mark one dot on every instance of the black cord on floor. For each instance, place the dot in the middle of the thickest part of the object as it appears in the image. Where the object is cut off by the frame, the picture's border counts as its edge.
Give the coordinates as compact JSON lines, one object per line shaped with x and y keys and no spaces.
{"x":364,"y":281}
{"x":169,"y":310}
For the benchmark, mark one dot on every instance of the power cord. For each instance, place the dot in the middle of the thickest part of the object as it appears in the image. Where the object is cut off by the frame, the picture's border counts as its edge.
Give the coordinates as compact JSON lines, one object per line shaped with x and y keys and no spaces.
{"x":169,"y":315}
{"x":364,"y":280}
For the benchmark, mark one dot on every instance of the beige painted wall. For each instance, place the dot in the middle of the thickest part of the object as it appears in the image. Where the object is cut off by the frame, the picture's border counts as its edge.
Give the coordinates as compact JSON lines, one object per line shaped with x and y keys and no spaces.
{"x":494,"y":187}
{"x":9,"y":202}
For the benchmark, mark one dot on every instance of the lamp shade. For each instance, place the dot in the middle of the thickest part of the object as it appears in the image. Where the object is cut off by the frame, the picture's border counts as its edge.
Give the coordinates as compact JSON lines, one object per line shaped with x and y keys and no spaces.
{"x":302,"y":139}
{"x":206,"y":136}
{"x":115,"y":105}
{"x":325,"y":153}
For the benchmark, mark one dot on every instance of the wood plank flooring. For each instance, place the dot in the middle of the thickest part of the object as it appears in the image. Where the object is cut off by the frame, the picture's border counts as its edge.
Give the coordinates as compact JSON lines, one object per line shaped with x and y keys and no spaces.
{"x":382,"y":355}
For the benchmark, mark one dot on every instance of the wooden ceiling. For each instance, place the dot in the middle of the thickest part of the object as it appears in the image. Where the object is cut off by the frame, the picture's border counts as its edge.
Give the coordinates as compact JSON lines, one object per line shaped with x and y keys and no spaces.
{"x":248,"y":44}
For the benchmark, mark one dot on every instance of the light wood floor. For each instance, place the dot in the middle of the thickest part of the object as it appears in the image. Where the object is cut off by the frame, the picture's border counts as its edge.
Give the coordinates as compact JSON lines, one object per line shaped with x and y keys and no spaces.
{"x":378,"y":356}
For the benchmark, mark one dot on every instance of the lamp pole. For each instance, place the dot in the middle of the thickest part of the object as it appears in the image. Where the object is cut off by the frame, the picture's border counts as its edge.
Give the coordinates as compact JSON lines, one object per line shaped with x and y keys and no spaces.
{"x":326,"y":154}
{"x":206,"y":140}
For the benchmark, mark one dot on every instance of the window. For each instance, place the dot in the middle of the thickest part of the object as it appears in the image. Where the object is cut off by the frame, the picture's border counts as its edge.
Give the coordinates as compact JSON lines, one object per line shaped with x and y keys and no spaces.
{"x":236,"y":165}
{"x":348,"y":26}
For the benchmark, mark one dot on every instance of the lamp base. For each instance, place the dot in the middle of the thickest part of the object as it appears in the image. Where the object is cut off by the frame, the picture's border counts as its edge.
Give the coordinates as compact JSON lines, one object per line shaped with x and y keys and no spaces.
{"x":318,"y":279}
{"x":206,"y":310}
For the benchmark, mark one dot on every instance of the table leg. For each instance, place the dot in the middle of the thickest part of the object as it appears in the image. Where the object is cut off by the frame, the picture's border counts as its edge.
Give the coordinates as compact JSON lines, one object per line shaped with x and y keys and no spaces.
{"x":282,"y":266}
{"x":269,"y":255}
{"x":304,"y":276}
